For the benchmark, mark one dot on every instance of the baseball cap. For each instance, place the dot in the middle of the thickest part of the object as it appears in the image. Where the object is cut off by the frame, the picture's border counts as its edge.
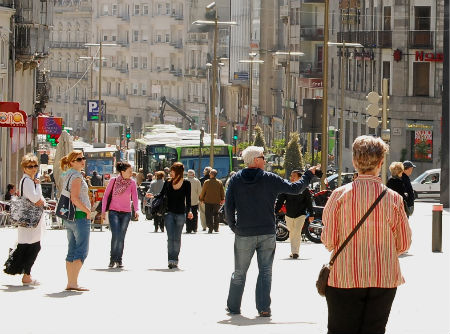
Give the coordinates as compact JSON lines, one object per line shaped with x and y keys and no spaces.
{"x":408,"y":164}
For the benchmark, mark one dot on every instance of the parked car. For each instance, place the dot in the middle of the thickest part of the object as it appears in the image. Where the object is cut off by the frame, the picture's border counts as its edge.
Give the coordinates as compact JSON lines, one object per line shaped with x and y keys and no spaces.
{"x":332,"y":181}
{"x":427,"y":184}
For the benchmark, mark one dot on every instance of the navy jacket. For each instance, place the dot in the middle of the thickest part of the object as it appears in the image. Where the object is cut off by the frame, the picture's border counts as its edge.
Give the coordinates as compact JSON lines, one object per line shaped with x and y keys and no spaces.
{"x":251,"y":194}
{"x":409,"y":189}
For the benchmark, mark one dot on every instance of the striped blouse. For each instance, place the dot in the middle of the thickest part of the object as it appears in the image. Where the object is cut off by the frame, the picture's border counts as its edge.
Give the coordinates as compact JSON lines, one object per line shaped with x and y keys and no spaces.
{"x":370,"y":259}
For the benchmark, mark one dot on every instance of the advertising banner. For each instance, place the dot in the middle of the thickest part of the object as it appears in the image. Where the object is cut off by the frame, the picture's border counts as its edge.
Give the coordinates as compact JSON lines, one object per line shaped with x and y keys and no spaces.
{"x":50,"y":125}
{"x":423,"y":145}
{"x":11,"y":116}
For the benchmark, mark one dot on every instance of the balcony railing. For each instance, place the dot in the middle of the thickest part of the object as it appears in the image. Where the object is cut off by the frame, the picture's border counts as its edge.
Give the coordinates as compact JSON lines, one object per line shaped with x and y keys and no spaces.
{"x":312,"y":33}
{"x":385,"y":39}
{"x":177,"y":44}
{"x":123,"y":68}
{"x":421,"y":39}
{"x":70,"y":75}
{"x":69,"y":45}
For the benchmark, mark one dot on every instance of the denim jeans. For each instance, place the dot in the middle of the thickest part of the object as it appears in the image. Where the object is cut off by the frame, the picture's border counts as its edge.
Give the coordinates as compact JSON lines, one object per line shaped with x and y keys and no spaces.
{"x":118,"y":224}
{"x":174,"y":226}
{"x":78,"y":233}
{"x":244,"y":248}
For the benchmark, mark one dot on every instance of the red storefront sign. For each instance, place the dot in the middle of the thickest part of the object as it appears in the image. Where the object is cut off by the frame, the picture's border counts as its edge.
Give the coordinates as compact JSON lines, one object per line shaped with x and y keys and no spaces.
{"x":311,"y":83}
{"x":436,"y":57}
{"x":11,"y":116}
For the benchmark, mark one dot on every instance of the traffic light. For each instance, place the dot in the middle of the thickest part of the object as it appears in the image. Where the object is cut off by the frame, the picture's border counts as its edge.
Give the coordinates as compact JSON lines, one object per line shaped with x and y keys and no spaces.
{"x":53,"y":139}
{"x":128,"y":135}
{"x":235,"y":134}
{"x":373,"y":109}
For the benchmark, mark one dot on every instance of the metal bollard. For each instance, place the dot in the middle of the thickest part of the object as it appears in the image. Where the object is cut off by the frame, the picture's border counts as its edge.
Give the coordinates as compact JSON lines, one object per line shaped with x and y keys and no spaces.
{"x":436,"y":237}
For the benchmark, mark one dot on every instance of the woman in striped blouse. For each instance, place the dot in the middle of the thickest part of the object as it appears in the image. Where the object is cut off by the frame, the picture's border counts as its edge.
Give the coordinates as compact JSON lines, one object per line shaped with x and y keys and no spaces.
{"x":364,"y":278}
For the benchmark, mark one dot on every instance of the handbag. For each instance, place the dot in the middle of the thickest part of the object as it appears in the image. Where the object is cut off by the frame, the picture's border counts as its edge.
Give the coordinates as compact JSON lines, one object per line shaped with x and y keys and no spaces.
{"x":322,"y":280}
{"x":108,"y":200}
{"x":159,"y":204}
{"x":23,"y":212}
{"x":65,"y":208}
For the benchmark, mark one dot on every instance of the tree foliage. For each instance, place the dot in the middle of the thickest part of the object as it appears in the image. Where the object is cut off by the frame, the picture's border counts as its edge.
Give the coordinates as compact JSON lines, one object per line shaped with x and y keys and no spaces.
{"x":293,"y":159}
{"x":259,"y":137}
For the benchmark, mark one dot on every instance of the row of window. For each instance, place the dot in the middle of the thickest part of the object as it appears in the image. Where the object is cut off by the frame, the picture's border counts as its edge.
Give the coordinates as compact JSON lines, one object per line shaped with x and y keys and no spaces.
{"x":142,"y":36}
{"x":142,"y":9}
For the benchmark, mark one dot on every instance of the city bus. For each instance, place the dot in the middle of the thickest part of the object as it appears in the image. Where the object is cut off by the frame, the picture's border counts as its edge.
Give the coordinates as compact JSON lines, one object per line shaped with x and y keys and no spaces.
{"x":166,"y":144}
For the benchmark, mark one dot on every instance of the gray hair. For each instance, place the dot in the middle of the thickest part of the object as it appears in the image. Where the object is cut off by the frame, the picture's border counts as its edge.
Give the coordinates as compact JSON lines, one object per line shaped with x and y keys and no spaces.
{"x":252,"y":152}
{"x":213,"y":172}
{"x":191,"y":171}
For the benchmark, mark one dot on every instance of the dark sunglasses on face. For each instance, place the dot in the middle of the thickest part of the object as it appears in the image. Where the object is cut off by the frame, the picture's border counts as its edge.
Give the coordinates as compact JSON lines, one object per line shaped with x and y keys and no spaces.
{"x":80,"y":159}
{"x":32,"y":166}
{"x":262,"y":157}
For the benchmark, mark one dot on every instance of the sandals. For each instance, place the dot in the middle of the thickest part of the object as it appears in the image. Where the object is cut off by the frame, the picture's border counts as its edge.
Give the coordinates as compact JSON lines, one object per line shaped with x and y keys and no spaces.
{"x":265,"y":314}
{"x":78,"y":288}
{"x":31,"y":283}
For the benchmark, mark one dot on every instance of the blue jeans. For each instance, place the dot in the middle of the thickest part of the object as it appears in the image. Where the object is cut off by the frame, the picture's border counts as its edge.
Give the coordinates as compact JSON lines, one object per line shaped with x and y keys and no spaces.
{"x":174,"y":226}
{"x":118,"y":224}
{"x":244,"y":248}
{"x":78,"y":233}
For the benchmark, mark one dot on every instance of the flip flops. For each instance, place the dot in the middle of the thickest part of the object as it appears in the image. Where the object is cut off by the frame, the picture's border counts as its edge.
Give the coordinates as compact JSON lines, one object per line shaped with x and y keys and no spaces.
{"x":78,"y":288}
{"x":32,"y":283}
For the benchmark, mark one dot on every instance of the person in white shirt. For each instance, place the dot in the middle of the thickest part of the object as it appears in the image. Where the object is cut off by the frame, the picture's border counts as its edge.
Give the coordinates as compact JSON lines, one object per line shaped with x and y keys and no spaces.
{"x":196,"y":189}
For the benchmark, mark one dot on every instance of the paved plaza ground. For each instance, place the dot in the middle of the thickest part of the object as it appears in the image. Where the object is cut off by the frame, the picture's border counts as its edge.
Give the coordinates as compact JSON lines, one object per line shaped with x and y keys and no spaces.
{"x":147,"y":297}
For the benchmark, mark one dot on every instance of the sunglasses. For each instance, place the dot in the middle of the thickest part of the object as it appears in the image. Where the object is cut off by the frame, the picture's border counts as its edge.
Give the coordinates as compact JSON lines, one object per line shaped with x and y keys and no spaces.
{"x":80,"y":159}
{"x":32,"y":166}
{"x":262,"y":157}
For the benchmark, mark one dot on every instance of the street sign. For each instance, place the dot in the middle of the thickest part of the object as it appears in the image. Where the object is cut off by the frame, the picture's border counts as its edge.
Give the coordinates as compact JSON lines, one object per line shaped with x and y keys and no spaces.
{"x":92,"y":110}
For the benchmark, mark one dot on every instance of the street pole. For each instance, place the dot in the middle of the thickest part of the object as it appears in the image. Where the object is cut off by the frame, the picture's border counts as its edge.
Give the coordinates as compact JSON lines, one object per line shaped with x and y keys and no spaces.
{"x":384,"y":126}
{"x":213,"y":97}
{"x":250,"y":104}
{"x":324,"y":156}
{"x":287,"y":103}
{"x":99,"y":134}
{"x":91,"y":137}
{"x":341,"y":116}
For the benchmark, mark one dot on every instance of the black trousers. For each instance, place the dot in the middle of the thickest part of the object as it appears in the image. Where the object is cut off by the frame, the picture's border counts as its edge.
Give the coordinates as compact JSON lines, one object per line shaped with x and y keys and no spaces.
{"x":212,"y":219}
{"x":23,"y":259}
{"x":158,"y":221}
{"x":364,"y":311}
{"x":192,"y":224}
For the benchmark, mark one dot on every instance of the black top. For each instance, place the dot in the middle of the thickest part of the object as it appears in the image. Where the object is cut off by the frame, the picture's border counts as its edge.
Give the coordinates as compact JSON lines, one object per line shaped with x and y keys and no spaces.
{"x":96,"y":180}
{"x":396,"y":184}
{"x":204,"y":178}
{"x":296,"y":205}
{"x":409,"y":189}
{"x":178,"y":201}
{"x":8,"y":196}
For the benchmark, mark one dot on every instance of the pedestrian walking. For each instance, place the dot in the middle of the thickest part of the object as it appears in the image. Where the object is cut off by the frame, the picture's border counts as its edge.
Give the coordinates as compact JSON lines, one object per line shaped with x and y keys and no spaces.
{"x":364,"y":278}
{"x":96,"y":179}
{"x":229,"y":178}
{"x":78,"y":231}
{"x":213,"y":196}
{"x":297,"y":207}
{"x":408,"y":169}
{"x":178,"y":192}
{"x":155,"y":188}
{"x":121,"y":191}
{"x":251,"y":194}
{"x":201,"y":206}
{"x":140,"y":177}
{"x":395,"y":182}
{"x":28,"y":238}
{"x":196,"y":189}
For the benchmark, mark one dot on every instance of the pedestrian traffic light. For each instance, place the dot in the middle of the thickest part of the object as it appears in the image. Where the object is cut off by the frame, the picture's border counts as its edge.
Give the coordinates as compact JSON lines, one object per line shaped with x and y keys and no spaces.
{"x":235,"y":134}
{"x":53,"y":139}
{"x":373,"y":109}
{"x":128,"y":135}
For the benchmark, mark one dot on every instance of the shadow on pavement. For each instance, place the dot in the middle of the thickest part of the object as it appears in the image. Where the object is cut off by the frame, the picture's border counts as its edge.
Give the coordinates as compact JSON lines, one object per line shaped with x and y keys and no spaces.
{"x":166,"y":270}
{"x":113,"y":270}
{"x":239,"y":320}
{"x":63,"y":294}
{"x":405,"y":255}
{"x":299,"y":259}
{"x":15,"y":288}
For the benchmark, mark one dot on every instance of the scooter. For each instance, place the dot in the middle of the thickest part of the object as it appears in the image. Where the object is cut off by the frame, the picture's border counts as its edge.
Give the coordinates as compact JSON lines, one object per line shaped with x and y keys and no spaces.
{"x":311,"y":231}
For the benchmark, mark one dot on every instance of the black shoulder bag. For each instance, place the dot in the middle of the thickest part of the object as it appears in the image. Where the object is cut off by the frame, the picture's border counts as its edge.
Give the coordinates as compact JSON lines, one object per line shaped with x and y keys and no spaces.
{"x":160,"y":202}
{"x":324,"y":273}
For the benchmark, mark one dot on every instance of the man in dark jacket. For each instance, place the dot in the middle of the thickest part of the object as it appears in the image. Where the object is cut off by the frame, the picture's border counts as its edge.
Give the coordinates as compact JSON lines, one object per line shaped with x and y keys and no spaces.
{"x":297,"y":206}
{"x":212,"y":196}
{"x":251,"y":196}
{"x":408,"y":169}
{"x":96,"y":179}
{"x":201,"y":206}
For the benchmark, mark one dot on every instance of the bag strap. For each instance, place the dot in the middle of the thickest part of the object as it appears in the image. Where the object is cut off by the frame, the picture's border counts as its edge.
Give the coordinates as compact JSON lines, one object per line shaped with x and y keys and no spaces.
{"x":21,"y":186}
{"x":357,"y":227}
{"x":68,"y":181}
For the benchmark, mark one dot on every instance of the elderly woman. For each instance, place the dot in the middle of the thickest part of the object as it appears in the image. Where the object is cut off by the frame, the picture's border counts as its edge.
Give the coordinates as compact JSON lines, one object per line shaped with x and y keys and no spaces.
{"x":78,"y":231}
{"x":28,"y":239}
{"x":365,"y":276}
{"x":396,"y":183}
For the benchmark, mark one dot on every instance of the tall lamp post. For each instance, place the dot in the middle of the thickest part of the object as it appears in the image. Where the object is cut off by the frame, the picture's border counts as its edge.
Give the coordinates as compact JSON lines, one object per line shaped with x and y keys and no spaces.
{"x":341,"y":115}
{"x":251,"y":61}
{"x":100,"y":111}
{"x":216,"y":23}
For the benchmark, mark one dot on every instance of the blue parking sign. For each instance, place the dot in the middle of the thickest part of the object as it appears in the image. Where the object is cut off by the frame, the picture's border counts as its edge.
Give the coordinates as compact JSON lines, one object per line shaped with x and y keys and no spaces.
{"x":92,"y":110}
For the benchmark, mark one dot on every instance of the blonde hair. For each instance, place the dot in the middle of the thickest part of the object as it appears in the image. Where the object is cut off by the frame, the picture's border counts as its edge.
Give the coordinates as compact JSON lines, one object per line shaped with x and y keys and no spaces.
{"x":66,"y":160}
{"x":27,"y":158}
{"x":368,"y":151}
{"x":396,"y":168}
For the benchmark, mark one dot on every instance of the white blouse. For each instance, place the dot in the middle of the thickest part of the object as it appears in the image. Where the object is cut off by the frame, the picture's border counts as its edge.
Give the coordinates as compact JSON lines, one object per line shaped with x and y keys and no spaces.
{"x":33,"y":193}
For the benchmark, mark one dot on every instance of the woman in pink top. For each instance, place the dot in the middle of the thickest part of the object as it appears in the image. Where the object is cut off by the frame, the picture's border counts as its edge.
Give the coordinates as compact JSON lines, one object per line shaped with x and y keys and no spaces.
{"x":364,"y":278}
{"x":124,"y":190}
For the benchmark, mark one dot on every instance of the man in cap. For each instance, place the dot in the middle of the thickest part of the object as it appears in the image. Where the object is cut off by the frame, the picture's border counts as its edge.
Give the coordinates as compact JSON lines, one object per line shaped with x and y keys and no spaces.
{"x":408,"y":169}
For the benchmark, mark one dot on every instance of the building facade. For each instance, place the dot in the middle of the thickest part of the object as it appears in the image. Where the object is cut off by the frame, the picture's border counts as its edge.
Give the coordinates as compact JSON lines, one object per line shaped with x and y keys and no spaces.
{"x":402,"y":43}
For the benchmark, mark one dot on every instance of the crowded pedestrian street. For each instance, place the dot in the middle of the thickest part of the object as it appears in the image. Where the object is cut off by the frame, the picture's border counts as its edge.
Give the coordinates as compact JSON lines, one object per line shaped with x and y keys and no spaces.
{"x":146,"y":296}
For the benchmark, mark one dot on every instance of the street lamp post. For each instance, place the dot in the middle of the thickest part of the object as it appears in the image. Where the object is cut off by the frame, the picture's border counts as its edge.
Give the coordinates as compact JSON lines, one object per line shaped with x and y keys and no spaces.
{"x":100,"y":111}
{"x":251,"y":61}
{"x":343,"y":45}
{"x":216,"y":23}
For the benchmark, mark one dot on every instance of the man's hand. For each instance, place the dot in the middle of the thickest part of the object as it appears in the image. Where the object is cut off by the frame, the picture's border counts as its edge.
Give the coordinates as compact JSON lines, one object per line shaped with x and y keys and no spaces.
{"x":103,"y":215}
{"x":190,"y":215}
{"x":316,"y":170}
{"x":39,"y":203}
{"x":136,"y":215}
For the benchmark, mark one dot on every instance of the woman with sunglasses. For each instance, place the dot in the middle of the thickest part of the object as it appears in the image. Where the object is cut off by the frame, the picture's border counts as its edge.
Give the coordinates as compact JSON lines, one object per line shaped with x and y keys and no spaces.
{"x":28,"y":239}
{"x":78,"y":230}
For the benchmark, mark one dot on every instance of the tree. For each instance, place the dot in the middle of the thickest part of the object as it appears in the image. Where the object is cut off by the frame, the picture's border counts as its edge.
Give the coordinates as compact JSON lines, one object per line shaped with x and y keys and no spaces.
{"x":259,"y":137}
{"x":293,"y":159}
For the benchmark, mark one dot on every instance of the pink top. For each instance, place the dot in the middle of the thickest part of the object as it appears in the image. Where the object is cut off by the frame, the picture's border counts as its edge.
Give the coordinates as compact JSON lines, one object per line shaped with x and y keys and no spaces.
{"x":121,"y":202}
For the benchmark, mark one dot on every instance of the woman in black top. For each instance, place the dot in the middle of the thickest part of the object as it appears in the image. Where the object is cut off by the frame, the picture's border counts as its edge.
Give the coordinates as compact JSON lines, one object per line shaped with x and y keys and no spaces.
{"x":396,"y":183}
{"x":178,"y":192}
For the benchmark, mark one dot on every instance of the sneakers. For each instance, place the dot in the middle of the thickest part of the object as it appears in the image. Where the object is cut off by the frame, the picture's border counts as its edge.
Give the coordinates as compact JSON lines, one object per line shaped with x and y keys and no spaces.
{"x":293,"y":256}
{"x":111,"y":264}
{"x":172,"y":266}
{"x":119,"y":264}
{"x":232,"y":312}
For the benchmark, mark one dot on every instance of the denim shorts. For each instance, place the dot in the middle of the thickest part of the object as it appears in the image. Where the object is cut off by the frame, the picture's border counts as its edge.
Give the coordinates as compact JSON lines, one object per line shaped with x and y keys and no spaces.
{"x":78,"y":233}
